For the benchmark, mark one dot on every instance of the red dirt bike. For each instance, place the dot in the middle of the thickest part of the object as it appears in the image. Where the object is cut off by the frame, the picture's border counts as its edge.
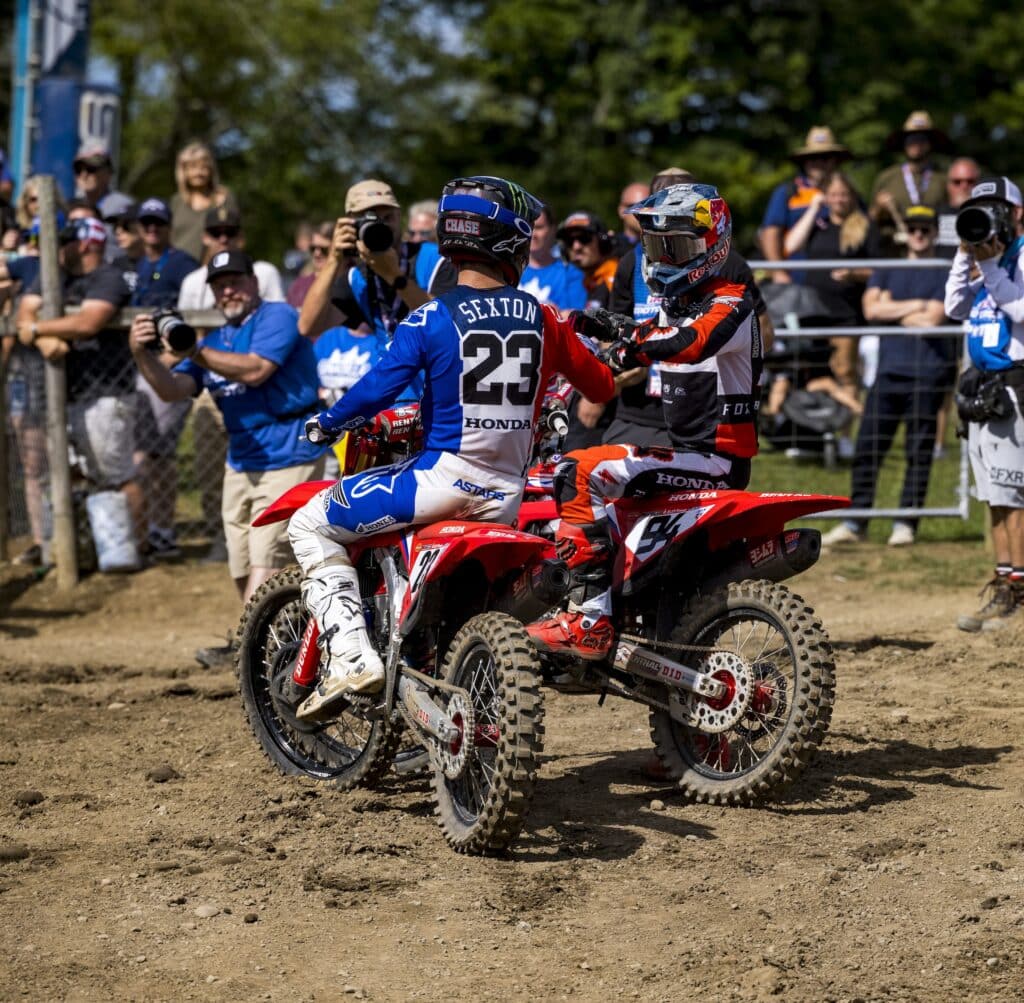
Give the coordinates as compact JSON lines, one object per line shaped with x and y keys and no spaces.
{"x":446,"y":606}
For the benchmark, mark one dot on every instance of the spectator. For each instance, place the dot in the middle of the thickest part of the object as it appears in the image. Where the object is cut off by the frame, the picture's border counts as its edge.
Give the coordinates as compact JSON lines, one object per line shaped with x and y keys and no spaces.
{"x":986,"y":288}
{"x":630,"y":235}
{"x":819,"y":157}
{"x":844,"y":231}
{"x":963,"y":175}
{"x":100,"y":374}
{"x":162,"y":268}
{"x":319,"y":252}
{"x":199,"y":191}
{"x":914,"y":374}
{"x":297,"y":261}
{"x":915,"y":181}
{"x":587,"y":243}
{"x":224,"y":233}
{"x":262,"y":375}
{"x":94,"y":172}
{"x":422,"y":225}
{"x":131,"y":249}
{"x":548,"y":278}
{"x":381,"y":287}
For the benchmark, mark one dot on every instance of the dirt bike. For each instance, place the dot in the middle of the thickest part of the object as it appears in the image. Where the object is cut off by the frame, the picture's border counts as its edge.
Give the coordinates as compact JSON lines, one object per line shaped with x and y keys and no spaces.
{"x":445,"y":605}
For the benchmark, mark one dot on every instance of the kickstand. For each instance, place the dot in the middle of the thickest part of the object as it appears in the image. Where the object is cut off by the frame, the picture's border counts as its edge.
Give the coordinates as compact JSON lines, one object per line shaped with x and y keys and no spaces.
{"x":601,"y":698}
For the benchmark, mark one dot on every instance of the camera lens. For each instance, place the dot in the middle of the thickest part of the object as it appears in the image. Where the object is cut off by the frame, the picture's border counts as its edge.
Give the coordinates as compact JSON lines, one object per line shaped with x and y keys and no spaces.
{"x":975,"y":224}
{"x":377,"y":236}
{"x":175,"y":333}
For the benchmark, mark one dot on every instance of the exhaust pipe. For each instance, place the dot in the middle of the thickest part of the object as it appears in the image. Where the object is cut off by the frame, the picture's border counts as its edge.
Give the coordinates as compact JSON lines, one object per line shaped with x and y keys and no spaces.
{"x":539,"y":587}
{"x":778,"y":558}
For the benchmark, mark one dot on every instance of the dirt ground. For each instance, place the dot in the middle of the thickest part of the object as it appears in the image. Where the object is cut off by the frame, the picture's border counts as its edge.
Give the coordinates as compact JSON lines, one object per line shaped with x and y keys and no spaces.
{"x":893,"y":871}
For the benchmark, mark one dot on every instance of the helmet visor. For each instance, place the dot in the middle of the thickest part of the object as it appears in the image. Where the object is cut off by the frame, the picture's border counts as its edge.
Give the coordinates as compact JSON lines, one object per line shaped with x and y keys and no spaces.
{"x":672,"y":248}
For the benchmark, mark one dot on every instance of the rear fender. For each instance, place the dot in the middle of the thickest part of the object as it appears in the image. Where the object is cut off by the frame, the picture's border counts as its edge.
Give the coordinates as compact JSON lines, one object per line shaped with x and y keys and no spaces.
{"x":438,"y":550}
{"x":648,"y":528}
{"x":290,"y":502}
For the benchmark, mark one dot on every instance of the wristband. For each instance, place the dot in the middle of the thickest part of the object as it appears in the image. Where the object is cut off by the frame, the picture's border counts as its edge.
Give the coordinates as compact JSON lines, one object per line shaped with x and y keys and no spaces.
{"x":34,"y":329}
{"x":400,"y":283}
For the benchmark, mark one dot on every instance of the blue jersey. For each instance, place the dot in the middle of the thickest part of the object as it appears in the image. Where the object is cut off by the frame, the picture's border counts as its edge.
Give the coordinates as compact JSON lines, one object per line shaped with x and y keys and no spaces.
{"x":560,"y":284}
{"x":481,"y":352}
{"x":265,"y":424}
{"x":343,"y":358}
{"x":159,"y":282}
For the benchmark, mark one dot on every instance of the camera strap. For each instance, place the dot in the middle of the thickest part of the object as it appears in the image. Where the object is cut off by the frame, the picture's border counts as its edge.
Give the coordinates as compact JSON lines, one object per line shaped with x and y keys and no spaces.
{"x":385,"y":301}
{"x":911,"y":185}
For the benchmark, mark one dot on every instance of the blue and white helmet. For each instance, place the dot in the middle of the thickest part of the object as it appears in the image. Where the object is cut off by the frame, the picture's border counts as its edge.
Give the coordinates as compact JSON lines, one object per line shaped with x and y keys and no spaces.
{"x":686,"y":232}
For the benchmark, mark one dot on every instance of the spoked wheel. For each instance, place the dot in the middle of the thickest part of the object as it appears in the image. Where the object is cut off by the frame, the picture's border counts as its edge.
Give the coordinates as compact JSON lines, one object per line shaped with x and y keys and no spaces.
{"x":489,"y":772}
{"x":352,"y":748}
{"x":775,"y":660}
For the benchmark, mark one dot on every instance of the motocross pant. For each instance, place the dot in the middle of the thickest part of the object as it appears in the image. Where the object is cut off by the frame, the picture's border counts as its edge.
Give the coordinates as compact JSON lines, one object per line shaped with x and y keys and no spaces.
{"x":428,"y":487}
{"x":588,"y":480}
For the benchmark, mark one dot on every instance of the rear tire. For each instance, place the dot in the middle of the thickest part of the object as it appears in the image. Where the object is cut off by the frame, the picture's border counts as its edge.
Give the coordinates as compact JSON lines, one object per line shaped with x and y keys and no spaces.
{"x":791,"y":707}
{"x":346,"y":751}
{"x":483,"y":810}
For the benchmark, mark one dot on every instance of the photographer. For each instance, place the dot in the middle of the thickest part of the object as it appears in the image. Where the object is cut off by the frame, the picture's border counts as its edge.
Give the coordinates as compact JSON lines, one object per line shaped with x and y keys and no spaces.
{"x":986,"y":288}
{"x":262,"y":376}
{"x":370,"y":271}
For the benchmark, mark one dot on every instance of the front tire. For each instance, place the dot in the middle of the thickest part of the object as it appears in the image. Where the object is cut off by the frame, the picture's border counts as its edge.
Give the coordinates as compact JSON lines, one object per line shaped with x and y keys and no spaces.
{"x":483,"y":810}
{"x":348,"y":750}
{"x":793,"y":678}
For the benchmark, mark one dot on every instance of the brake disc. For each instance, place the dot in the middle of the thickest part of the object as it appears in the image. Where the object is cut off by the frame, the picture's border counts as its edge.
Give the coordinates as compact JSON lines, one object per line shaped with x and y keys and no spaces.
{"x":714,"y":716}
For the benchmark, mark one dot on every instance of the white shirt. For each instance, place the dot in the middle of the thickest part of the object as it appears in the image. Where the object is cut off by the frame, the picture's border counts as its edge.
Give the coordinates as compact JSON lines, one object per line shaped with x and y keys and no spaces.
{"x":196,"y":294}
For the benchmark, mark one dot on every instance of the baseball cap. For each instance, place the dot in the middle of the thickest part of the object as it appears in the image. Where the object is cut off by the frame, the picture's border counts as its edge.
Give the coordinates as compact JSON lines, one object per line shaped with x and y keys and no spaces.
{"x":154,"y":209}
{"x":222,"y":215}
{"x":229,"y":263}
{"x":1002,"y":189}
{"x":85,"y":231}
{"x":93,"y":155}
{"x":117,"y":206}
{"x":367,"y":194}
{"x":585,"y":221}
{"x":920,"y":215}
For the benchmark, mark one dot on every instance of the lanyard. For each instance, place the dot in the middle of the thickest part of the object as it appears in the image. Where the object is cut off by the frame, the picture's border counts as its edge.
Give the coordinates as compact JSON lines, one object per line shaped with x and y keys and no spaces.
{"x":154,"y":275}
{"x":389,"y":312}
{"x":911,"y":185}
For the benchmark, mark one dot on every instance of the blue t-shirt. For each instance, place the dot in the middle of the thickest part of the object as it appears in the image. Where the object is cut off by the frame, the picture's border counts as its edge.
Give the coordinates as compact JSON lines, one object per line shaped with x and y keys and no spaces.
{"x":932,"y":359}
{"x":344,"y":357}
{"x":24,"y":270}
{"x":159,"y":282}
{"x":265,"y":424}
{"x":560,"y":284}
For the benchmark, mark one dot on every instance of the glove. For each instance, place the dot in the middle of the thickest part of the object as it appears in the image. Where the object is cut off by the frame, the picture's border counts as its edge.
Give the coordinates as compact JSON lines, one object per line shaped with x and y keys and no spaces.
{"x":601,"y":325}
{"x":621,"y":356}
{"x":317,"y":434}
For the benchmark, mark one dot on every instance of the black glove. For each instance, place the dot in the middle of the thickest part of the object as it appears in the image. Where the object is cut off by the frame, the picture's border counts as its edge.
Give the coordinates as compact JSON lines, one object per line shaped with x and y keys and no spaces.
{"x":317,"y":434}
{"x":621,"y":356}
{"x":602,"y":325}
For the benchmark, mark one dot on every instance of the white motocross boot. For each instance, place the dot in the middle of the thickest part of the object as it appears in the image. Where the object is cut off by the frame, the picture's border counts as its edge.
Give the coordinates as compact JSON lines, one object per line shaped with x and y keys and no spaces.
{"x":352,"y":664}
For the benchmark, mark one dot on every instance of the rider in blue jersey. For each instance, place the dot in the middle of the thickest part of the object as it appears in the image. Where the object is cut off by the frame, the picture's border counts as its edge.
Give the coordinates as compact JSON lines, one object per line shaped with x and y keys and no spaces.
{"x":487,"y":351}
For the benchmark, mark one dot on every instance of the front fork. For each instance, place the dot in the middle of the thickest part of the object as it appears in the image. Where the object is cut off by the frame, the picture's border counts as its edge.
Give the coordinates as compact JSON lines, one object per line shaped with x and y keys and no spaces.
{"x":308,"y":659}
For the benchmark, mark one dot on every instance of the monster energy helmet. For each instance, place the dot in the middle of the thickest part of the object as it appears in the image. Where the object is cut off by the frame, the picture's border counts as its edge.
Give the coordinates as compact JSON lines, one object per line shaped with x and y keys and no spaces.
{"x":686,"y":231}
{"x":487,"y":219}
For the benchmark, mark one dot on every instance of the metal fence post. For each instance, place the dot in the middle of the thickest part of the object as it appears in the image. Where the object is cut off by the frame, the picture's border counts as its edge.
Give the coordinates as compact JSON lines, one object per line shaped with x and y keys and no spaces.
{"x":64,"y":552}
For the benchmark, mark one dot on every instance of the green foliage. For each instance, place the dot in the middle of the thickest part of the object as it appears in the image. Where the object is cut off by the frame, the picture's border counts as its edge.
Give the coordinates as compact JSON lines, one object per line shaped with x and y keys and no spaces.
{"x":573,"y":98}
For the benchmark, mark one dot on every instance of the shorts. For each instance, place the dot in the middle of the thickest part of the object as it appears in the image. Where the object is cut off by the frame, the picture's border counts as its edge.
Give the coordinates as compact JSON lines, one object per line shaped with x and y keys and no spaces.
{"x":26,"y":387}
{"x":159,"y":423}
{"x":103,"y":432}
{"x":426,"y":488}
{"x":996,"y":450}
{"x":246,"y":495}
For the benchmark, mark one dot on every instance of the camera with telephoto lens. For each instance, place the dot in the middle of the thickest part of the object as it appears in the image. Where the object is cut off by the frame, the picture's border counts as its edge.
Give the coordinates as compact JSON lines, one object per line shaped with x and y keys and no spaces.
{"x":977,"y":224}
{"x":173,"y":334}
{"x":374,"y":232}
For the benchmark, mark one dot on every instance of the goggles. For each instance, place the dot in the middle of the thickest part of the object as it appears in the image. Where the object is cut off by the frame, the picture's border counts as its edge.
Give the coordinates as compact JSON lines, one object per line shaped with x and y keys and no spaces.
{"x":672,"y":248}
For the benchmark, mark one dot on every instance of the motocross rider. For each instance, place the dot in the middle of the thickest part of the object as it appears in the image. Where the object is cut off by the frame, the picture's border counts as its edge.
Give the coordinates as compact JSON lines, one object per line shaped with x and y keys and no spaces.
{"x":708,"y":342}
{"x":487,"y":351}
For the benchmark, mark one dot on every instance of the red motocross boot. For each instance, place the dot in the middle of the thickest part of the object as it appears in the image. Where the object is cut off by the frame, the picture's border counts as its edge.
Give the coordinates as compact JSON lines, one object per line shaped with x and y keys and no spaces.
{"x":574,"y":633}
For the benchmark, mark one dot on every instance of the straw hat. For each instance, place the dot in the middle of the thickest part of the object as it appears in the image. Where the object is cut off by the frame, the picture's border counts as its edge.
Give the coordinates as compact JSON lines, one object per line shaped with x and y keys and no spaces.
{"x":919,"y":121}
{"x":821,"y":142}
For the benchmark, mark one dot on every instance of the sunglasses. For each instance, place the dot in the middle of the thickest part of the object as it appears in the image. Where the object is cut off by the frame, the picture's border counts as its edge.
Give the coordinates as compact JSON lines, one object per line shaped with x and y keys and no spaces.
{"x":963,"y":181}
{"x":925,"y":230}
{"x":152,"y":222}
{"x":423,"y":234}
{"x":87,"y":169}
{"x":580,"y":238}
{"x":223,"y":232}
{"x":316,"y":250}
